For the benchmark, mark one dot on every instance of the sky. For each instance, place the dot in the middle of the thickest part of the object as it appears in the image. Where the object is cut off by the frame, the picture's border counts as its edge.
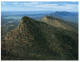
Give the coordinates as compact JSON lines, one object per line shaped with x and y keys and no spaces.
{"x":39,"y":6}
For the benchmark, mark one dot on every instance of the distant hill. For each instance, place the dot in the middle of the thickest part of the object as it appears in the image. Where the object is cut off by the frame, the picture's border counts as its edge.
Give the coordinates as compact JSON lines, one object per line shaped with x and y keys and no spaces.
{"x":68,"y":16}
{"x":47,"y":39}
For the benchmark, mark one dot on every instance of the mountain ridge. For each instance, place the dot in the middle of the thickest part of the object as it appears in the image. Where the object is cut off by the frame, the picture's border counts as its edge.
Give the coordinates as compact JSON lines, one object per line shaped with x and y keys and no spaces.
{"x":38,"y":40}
{"x":57,"y":22}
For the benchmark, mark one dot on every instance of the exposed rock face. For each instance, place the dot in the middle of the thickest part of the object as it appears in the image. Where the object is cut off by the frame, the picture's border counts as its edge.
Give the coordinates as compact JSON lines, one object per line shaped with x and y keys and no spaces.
{"x":41,"y":40}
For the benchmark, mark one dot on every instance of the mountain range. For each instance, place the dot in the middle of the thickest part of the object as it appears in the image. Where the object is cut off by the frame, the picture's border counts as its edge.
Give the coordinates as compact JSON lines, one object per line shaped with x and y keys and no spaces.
{"x":49,"y":38}
{"x":68,"y":16}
